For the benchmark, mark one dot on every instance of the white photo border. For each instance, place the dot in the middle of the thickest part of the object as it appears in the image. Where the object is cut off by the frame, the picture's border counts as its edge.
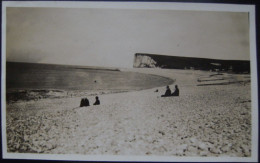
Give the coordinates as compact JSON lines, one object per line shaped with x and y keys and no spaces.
{"x":137,"y":5}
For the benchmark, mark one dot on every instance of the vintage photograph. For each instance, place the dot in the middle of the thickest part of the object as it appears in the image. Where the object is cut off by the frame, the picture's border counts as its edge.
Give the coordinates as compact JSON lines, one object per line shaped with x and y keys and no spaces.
{"x":113,"y":81}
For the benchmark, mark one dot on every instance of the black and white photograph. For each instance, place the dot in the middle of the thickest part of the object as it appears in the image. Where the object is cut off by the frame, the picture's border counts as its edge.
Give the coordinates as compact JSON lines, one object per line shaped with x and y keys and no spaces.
{"x":129,"y":81}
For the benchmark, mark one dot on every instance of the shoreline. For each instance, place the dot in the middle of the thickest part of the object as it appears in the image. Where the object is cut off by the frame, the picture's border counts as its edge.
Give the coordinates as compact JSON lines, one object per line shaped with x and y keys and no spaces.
{"x":19,"y":95}
{"x":202,"y":121}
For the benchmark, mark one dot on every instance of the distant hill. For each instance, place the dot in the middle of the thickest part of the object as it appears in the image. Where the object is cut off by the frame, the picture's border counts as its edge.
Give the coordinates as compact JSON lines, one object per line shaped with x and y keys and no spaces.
{"x":175,"y":62}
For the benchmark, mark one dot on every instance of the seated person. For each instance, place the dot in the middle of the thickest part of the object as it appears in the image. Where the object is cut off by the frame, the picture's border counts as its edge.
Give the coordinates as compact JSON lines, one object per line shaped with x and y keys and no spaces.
{"x":176,"y":92}
{"x":97,"y":102}
{"x":167,"y":92}
{"x":84,"y":102}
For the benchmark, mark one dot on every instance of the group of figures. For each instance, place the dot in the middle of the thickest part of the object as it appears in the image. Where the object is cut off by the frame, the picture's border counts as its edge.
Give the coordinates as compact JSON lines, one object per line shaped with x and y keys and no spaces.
{"x":85,"y":102}
{"x":168,"y":92}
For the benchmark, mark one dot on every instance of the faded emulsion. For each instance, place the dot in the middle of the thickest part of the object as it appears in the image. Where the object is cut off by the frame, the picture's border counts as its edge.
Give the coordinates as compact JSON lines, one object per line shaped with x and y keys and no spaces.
{"x":128,"y":82}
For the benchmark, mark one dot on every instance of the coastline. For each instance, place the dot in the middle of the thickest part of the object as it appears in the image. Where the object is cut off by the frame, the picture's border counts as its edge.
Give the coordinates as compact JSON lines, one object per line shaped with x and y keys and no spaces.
{"x":30,"y":81}
{"x":204,"y":121}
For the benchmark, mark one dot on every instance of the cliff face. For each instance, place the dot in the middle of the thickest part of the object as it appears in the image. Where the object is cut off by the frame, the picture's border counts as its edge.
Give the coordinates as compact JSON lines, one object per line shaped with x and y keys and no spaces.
{"x":144,"y":61}
{"x":175,"y":62}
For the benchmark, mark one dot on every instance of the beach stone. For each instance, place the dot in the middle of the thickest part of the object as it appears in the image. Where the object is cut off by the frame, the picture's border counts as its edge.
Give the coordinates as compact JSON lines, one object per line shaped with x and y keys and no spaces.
{"x":179,"y":152}
{"x":41,"y":143}
{"x":162,"y":149}
{"x":204,"y":153}
{"x":194,"y":140}
{"x":148,"y":153}
{"x":17,"y":146}
{"x":49,"y":146}
{"x":26,"y":138}
{"x":182,"y":147}
{"x":192,"y":149}
{"x":245,"y":150}
{"x":203,"y":146}
{"x":247,"y":154}
{"x":24,"y":148}
{"x":161,"y":132}
{"x":226,"y":148}
{"x":215,"y":150}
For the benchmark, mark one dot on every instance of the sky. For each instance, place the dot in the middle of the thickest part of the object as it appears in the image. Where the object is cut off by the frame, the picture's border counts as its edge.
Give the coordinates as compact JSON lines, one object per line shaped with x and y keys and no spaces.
{"x":111,"y":37}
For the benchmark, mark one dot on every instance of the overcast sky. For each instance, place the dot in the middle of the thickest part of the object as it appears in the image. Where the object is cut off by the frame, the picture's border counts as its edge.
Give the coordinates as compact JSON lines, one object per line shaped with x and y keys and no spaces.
{"x":111,"y":37}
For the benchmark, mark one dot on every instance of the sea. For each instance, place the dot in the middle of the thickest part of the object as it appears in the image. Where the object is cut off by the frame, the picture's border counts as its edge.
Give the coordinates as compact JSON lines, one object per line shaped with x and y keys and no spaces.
{"x":34,"y":76}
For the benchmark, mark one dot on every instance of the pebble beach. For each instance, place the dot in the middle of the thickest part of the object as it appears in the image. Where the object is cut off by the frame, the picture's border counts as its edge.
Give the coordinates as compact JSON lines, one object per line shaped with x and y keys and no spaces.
{"x":211,"y":117}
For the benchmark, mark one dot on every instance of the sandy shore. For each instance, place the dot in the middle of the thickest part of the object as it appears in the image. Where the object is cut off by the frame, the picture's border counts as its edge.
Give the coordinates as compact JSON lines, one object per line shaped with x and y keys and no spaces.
{"x":208,"y":120}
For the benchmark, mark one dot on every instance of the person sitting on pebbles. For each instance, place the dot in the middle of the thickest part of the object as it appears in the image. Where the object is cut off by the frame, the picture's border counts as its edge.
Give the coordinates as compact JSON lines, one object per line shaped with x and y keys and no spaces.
{"x":167,"y":92}
{"x":84,"y":102}
{"x":176,"y":92}
{"x":97,"y":102}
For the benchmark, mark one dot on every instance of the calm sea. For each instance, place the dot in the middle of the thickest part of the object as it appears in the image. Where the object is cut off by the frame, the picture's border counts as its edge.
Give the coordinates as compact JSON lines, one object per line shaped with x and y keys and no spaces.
{"x":29,"y":76}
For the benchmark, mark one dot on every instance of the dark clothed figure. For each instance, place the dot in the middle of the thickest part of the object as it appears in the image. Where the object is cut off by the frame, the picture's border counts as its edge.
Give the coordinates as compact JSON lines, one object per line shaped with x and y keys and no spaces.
{"x":97,"y":102}
{"x":84,"y":102}
{"x":167,"y":92}
{"x":176,"y":92}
